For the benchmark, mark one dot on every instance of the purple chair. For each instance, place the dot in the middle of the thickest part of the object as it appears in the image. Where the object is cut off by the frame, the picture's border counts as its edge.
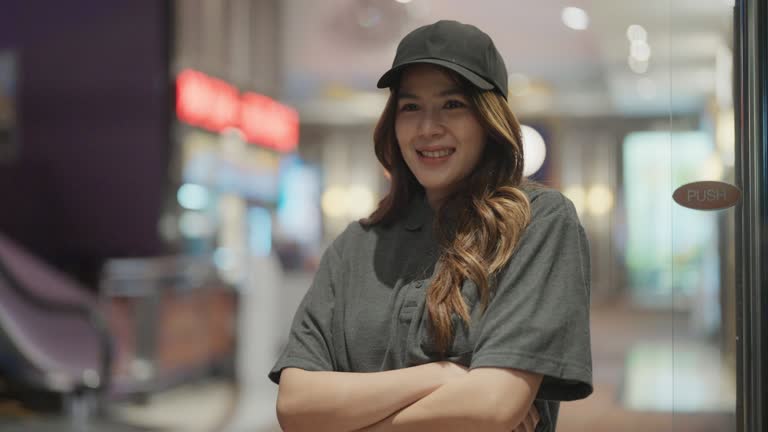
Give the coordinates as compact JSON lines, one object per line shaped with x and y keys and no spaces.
{"x":52,"y":331}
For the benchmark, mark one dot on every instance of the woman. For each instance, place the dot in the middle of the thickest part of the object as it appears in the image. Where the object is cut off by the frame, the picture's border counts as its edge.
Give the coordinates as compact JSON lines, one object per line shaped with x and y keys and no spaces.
{"x":462,"y":302}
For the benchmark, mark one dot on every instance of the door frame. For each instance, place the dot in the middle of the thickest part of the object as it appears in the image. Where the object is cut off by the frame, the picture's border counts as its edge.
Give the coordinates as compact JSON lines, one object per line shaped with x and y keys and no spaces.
{"x":751,"y":165}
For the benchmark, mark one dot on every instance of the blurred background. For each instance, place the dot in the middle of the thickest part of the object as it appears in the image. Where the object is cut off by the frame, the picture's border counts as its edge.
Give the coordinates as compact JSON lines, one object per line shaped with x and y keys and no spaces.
{"x":171,"y":172}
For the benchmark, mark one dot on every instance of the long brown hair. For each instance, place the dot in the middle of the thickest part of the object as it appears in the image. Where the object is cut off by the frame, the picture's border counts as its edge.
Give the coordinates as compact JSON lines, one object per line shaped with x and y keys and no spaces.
{"x":478,"y":226}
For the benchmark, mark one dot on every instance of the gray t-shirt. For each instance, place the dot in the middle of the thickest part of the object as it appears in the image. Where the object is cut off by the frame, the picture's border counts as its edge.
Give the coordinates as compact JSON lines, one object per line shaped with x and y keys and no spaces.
{"x":365,"y":310}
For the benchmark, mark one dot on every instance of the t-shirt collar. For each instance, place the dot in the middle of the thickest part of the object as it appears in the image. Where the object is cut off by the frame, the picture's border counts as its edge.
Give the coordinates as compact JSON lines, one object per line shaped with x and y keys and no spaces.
{"x":419,"y":213}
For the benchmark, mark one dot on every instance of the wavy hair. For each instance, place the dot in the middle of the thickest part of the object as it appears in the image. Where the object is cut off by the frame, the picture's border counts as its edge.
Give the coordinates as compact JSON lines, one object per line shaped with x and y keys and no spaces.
{"x":478,"y":226}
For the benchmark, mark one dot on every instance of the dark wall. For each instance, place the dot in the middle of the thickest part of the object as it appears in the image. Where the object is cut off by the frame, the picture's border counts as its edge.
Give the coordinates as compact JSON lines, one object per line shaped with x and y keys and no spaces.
{"x":94,"y":108}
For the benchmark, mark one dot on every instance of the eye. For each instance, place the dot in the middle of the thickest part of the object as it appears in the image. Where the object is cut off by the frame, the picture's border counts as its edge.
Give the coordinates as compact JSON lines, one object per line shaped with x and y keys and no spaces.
{"x":454,"y":104}
{"x":409,"y":107}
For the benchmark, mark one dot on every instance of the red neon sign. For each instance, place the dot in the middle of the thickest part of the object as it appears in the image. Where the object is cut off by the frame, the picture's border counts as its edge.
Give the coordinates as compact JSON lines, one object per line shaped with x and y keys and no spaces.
{"x":215,"y":105}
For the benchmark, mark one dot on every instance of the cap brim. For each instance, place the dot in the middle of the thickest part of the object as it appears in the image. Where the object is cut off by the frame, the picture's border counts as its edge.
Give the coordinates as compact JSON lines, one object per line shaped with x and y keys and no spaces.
{"x":389,"y":78}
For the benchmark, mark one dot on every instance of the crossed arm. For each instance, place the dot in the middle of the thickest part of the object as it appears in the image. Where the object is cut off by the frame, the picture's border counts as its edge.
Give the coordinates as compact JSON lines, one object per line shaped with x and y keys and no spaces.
{"x":435,"y":396}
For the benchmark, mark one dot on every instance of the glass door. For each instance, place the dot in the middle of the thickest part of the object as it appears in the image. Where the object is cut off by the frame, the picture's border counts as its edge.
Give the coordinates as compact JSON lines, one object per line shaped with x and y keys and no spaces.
{"x":679,"y":254}
{"x":709,"y":275}
{"x":679,"y":319}
{"x":701,"y":268}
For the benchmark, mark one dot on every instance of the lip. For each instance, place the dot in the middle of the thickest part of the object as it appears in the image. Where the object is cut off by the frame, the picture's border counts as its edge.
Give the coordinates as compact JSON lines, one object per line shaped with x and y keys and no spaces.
{"x":433,"y":161}
{"x":433,"y":149}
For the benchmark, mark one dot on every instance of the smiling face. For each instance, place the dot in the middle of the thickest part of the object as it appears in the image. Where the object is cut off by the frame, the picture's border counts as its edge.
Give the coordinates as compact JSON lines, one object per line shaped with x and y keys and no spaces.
{"x":439,"y":134}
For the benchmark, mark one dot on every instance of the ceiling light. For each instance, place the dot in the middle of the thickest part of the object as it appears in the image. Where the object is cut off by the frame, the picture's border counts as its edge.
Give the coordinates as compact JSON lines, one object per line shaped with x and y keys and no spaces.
{"x":575,"y":18}
{"x":403,"y":1}
{"x":640,"y":50}
{"x":534,"y":149}
{"x":636,"y":33}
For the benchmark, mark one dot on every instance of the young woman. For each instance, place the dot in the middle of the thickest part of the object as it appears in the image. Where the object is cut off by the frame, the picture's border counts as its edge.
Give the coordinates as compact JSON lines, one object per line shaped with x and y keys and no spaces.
{"x":462,"y":302}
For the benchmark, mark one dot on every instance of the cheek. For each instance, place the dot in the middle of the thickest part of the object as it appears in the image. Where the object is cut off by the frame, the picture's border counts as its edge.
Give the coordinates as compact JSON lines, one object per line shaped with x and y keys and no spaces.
{"x":475,"y":137}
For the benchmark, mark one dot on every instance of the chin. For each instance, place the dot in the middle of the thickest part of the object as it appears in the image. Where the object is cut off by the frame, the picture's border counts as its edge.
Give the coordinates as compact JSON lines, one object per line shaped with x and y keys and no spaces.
{"x":436,"y":185}
{"x":430,"y":184}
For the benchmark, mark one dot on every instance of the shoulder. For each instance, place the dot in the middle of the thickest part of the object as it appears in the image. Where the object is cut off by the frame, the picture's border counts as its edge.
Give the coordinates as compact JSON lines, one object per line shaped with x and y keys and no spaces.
{"x":347,"y":244}
{"x":337,"y":255}
{"x":549,"y":203}
{"x":352,"y":253}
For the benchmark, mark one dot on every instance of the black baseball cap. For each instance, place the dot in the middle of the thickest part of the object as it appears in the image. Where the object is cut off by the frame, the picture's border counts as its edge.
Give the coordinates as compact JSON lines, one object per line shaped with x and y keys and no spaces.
{"x":462,"y":48}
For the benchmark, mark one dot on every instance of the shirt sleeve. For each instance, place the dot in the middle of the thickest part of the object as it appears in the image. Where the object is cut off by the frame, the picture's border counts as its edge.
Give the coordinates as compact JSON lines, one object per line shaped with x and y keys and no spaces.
{"x":310,"y":342}
{"x":538,"y":317}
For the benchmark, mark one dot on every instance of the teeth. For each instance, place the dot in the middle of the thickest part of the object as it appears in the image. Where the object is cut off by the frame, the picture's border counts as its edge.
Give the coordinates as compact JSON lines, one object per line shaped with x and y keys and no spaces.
{"x":437,"y":154}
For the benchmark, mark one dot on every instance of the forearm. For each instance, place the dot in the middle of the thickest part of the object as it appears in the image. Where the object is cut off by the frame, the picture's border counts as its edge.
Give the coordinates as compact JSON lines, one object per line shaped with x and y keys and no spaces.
{"x":348,"y":401}
{"x":470,"y":403}
{"x":448,"y":409}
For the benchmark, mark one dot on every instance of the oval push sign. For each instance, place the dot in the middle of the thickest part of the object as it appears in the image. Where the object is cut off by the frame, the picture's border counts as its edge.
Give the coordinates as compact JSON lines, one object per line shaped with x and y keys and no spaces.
{"x":707,"y":195}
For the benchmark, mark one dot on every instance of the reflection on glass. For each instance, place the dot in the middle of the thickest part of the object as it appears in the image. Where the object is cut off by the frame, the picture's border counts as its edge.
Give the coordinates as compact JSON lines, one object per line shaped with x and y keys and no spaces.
{"x":656,"y":267}
{"x":684,"y":378}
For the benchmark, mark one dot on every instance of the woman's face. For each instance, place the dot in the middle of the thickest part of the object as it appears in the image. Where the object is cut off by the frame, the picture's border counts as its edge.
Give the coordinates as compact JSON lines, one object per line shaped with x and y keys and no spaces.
{"x":439,"y":135}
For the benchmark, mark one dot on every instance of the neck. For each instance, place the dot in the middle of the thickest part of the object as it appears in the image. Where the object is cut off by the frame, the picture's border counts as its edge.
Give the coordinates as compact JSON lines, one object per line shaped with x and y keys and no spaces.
{"x":435,"y":199}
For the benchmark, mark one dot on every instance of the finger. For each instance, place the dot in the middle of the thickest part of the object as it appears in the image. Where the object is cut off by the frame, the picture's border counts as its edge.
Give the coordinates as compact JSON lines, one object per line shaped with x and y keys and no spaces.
{"x":534,"y":418}
{"x":531,"y":424}
{"x":535,"y":415}
{"x":525,"y":425}
{"x":522,"y":427}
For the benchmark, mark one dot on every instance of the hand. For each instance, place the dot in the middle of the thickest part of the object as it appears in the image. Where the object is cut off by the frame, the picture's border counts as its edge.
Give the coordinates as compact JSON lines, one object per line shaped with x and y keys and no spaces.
{"x":529,"y":423}
{"x":450,"y":370}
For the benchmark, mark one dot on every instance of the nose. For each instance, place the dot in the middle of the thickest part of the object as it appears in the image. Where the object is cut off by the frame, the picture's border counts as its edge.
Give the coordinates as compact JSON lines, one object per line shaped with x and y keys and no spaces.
{"x":430,"y":124}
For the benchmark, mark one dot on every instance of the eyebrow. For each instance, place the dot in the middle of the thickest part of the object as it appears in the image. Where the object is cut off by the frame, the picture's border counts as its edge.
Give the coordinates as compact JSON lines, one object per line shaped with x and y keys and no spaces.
{"x":453,"y":91}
